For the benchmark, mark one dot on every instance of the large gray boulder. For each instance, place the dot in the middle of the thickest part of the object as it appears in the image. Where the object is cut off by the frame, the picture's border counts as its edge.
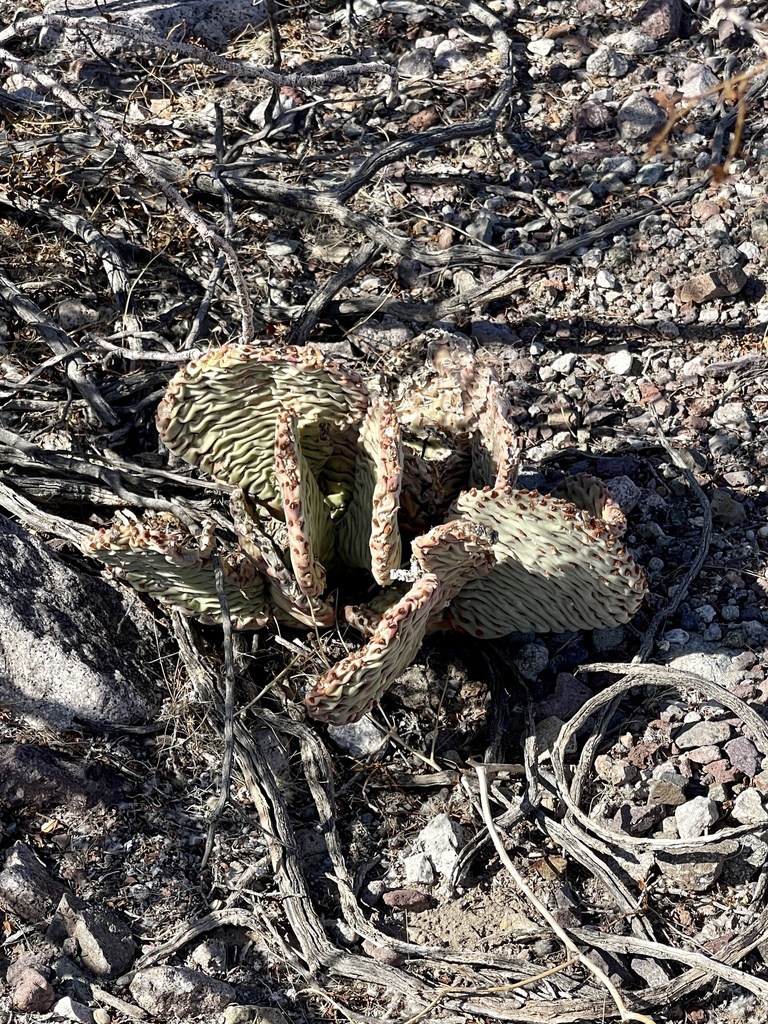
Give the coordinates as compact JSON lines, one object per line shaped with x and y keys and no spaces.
{"x":73,"y":646}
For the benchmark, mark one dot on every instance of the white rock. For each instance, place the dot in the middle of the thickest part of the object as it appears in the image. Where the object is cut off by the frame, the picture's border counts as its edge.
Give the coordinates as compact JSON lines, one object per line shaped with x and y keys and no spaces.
{"x":541,"y":47}
{"x":418,"y":869}
{"x":360,"y":739}
{"x":715,"y":666}
{"x":634,"y":41}
{"x":619,"y":362}
{"x":606,"y":63}
{"x":564,"y":363}
{"x":605,"y":279}
{"x":69,"y":1009}
{"x":749,"y":809}
{"x":694,"y":817}
{"x":441,"y":841}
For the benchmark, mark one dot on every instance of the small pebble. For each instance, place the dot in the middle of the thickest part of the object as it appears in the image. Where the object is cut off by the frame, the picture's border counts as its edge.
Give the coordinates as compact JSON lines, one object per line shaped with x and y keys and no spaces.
{"x":620,"y":362}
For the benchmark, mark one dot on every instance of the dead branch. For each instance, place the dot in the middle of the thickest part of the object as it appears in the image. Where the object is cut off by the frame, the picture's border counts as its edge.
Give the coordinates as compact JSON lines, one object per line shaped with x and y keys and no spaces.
{"x":108,"y":131}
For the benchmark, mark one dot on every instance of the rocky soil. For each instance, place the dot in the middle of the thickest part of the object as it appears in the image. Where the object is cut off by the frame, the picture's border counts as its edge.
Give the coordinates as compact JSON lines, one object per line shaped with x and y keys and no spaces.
{"x":580,"y":188}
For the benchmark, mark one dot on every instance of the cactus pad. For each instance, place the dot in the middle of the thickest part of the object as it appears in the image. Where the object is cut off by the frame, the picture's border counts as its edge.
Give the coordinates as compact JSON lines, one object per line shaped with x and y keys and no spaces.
{"x":459,"y":552}
{"x":159,"y":556}
{"x":557,"y":568}
{"x":219,"y":412}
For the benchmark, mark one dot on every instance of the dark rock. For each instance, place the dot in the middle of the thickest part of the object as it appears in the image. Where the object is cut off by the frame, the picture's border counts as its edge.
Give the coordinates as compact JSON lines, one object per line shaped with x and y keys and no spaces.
{"x":570,"y":694}
{"x":26,"y":888}
{"x":105,"y":942}
{"x":178,"y":992}
{"x":71,"y":645}
{"x":636,"y":821}
{"x":743,"y":754}
{"x":416,"y":63}
{"x":38,"y":778}
{"x":592,"y":116}
{"x":407,"y":899}
{"x":668,"y":790}
{"x":750,"y":858}
{"x":639,"y":118}
{"x":71,"y":981}
{"x":660,"y":19}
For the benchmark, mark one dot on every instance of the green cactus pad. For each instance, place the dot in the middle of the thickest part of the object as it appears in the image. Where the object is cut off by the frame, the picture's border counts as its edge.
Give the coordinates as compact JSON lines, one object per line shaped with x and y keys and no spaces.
{"x":159,"y":556}
{"x":558,"y":568}
{"x":219,"y":413}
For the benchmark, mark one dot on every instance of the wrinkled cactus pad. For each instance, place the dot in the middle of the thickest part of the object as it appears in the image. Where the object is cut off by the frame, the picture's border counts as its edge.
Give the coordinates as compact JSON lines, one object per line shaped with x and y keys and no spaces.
{"x":159,"y":556}
{"x":329,"y":471}
{"x":557,"y":568}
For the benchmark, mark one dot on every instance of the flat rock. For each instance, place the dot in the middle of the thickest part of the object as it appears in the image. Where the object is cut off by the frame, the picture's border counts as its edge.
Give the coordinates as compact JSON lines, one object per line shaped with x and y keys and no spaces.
{"x":179,"y":992}
{"x":715,"y":284}
{"x":704,"y":755}
{"x":668,"y":790}
{"x":702,"y":734}
{"x":744,"y":755}
{"x":41,"y":779}
{"x":418,"y":869}
{"x":72,"y":646}
{"x":695,"y":872}
{"x":716,"y":666}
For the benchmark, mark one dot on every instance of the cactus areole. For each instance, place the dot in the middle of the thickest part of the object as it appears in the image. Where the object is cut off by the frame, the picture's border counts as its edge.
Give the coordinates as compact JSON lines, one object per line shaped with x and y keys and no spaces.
{"x":332,"y":479}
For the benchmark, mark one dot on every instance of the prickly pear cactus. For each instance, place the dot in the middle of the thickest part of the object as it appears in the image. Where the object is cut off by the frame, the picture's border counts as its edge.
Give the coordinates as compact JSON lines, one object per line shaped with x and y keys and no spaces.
{"x":328,"y":472}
